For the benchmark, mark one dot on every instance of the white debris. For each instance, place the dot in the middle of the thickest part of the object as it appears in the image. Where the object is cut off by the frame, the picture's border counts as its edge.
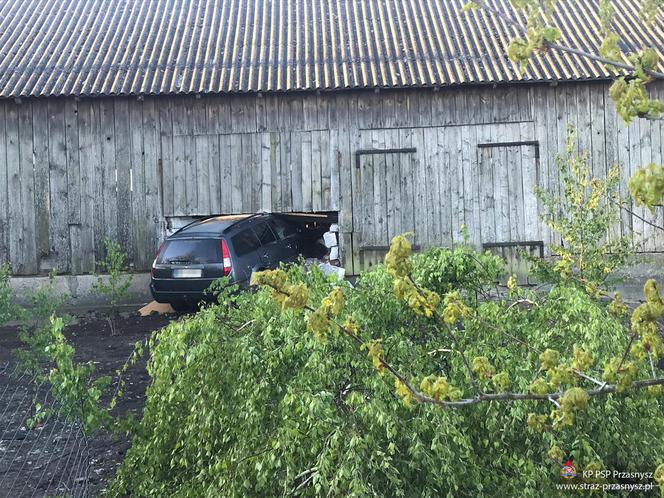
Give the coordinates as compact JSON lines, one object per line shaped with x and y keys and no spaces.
{"x":334,"y":253}
{"x":334,"y":227}
{"x":330,"y":239}
{"x":329,"y":269}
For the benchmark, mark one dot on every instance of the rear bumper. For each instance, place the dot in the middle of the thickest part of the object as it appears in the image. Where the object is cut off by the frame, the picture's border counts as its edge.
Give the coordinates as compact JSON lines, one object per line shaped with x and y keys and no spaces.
{"x":187,"y":290}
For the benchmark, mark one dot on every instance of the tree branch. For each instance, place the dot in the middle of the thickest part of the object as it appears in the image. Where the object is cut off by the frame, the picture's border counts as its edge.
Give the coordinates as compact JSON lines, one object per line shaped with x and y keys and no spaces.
{"x":482,"y":397}
{"x":629,"y":211}
{"x":564,"y":48}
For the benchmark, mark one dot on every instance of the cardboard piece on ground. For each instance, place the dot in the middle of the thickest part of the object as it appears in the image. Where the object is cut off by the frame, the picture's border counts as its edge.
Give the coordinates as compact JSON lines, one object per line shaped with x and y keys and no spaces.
{"x":156,"y":308}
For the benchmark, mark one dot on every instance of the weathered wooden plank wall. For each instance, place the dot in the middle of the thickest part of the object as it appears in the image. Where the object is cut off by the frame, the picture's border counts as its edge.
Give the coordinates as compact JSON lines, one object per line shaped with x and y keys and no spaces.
{"x":73,"y":172}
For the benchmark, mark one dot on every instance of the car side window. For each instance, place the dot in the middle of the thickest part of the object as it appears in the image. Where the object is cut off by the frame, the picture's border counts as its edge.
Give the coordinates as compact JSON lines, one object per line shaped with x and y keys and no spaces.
{"x":245,"y":242}
{"x":282,"y":228}
{"x":264,"y":233}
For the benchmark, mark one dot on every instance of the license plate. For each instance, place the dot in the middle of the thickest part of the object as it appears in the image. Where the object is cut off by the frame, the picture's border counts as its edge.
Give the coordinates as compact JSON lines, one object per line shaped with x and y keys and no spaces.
{"x":187,"y":273}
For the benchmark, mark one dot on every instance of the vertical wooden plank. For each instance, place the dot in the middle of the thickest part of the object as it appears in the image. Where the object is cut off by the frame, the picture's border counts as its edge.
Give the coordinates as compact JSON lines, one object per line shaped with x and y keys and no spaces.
{"x":392,"y":188}
{"x":124,"y":174}
{"x":343,"y":163}
{"x":433,"y":195}
{"x":110,"y":203}
{"x":529,"y":175}
{"x":284,"y":112}
{"x":622,"y":158}
{"x":333,"y":165}
{"x":153,"y":169}
{"x":309,"y":111}
{"x":73,"y":185}
{"x":27,"y":183}
{"x":388,"y":109}
{"x":446,"y":163}
{"x":243,"y":113}
{"x":189,"y":175}
{"x":275,"y":176}
{"x":635,"y":161}
{"x":418,"y":162}
{"x":582,"y":114}
{"x":179,"y":187}
{"x":167,"y":155}
{"x":611,"y":149}
{"x":364,"y":111}
{"x":322,"y":106}
{"x":256,"y":172}
{"x":452,"y":141}
{"x":471,"y":184}
{"x":645,"y":139}
{"x":487,"y":201}
{"x":139,"y":220}
{"x":214,"y":164}
{"x":380,"y":190}
{"x":246,"y":172}
{"x":657,"y":130}
{"x":325,"y":172}
{"x":42,"y":204}
{"x":4,"y":194}
{"x":367,"y":229}
{"x":501,"y":195}
{"x":182,"y":115}
{"x":545,"y":132}
{"x":14,"y":190}
{"x":306,"y":168}
{"x":515,"y":193}
{"x":226,"y":186}
{"x":58,"y":183}
{"x":266,"y":162}
{"x":316,"y":171}
{"x":90,"y":144}
{"x":401,"y":113}
{"x":202,"y":165}
{"x":351,"y":205}
{"x":408,"y":171}
{"x":236,"y":173}
{"x":286,"y":173}
{"x":198,"y":105}
{"x":73,"y":163}
{"x":219,"y":115}
{"x":342,"y":170}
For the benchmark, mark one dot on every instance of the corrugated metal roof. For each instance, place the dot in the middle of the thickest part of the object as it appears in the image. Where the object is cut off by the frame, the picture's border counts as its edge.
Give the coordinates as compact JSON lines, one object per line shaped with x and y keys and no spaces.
{"x":118,"y":47}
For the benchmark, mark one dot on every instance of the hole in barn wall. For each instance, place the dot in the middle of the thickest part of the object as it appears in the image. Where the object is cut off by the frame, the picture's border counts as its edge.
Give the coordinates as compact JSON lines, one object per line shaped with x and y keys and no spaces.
{"x":320,"y":231}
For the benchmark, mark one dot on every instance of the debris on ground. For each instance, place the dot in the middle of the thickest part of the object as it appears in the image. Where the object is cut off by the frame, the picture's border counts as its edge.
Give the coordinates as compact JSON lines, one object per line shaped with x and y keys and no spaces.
{"x":155,"y":308}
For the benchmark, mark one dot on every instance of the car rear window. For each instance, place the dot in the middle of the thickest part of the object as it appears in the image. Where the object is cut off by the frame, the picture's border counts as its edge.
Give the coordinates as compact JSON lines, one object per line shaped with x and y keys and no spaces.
{"x":245,"y":242}
{"x":264,"y":233}
{"x":191,"y":251}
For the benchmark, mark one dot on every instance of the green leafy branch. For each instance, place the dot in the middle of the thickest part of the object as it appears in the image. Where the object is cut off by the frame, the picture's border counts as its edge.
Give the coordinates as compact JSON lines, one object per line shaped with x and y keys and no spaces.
{"x":433,"y":390}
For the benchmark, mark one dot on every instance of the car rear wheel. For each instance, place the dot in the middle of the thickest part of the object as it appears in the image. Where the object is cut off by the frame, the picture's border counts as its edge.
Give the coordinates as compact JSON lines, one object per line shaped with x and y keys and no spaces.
{"x":182,"y":306}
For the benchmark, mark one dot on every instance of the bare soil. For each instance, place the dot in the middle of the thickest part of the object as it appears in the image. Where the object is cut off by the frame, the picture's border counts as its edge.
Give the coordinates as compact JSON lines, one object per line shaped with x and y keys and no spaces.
{"x":91,"y":336}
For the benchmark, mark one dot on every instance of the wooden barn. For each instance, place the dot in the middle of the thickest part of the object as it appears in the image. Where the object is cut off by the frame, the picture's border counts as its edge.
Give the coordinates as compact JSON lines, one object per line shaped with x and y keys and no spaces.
{"x":118,"y":117}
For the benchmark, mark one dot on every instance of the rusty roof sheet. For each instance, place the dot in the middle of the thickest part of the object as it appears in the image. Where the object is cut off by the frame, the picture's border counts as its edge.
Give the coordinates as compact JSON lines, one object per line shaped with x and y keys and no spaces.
{"x":130,"y":47}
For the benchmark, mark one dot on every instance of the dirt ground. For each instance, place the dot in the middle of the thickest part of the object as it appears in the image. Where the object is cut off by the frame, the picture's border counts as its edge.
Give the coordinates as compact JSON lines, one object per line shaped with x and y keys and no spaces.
{"x":90,"y":335}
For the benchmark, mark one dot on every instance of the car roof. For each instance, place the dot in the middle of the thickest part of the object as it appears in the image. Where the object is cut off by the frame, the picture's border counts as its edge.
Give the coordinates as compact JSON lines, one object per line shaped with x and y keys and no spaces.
{"x":212,"y":227}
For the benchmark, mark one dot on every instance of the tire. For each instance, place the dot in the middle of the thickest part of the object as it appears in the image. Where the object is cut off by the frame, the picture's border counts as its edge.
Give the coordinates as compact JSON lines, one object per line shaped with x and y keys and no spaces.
{"x":182,"y":306}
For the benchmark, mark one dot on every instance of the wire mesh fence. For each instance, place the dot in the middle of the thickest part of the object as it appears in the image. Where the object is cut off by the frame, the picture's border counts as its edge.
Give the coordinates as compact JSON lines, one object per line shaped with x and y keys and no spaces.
{"x":43,"y":449}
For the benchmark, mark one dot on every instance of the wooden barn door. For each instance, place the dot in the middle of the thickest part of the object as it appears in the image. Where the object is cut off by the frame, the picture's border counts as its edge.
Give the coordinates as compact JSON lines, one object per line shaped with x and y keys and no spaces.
{"x":386,"y":201}
{"x":509,"y":173}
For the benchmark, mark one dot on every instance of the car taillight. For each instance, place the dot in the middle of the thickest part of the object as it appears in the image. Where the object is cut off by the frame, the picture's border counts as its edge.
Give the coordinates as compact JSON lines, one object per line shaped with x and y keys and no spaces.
{"x":156,"y":257}
{"x":226,"y":256}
